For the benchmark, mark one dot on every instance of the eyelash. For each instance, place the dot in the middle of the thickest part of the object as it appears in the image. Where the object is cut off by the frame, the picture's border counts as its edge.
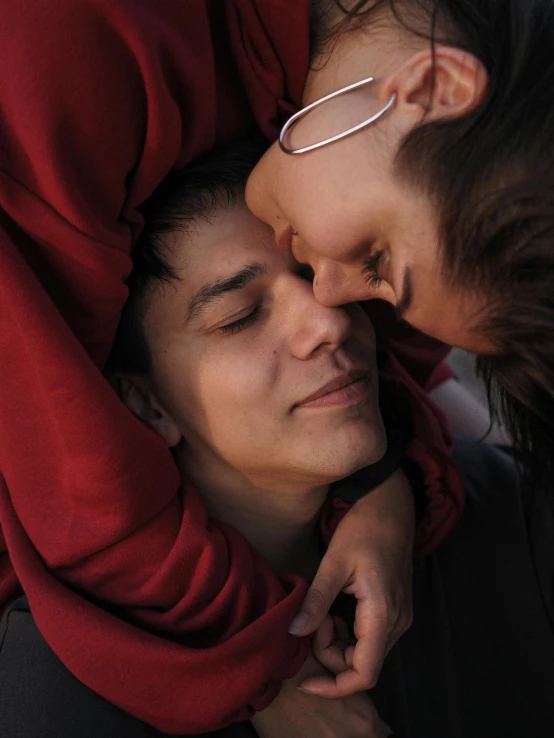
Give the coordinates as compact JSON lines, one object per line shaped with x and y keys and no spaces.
{"x":305,"y":272}
{"x":238,"y":325}
{"x":370,"y":269}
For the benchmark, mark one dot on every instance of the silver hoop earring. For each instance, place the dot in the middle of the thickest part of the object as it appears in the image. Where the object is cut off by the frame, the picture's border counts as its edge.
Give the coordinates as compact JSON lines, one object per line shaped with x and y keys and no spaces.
{"x":301,"y":113}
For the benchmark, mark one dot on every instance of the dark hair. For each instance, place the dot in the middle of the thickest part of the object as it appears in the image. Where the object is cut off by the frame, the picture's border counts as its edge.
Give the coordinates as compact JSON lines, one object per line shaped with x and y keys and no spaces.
{"x":185,"y":197}
{"x":491,"y":175}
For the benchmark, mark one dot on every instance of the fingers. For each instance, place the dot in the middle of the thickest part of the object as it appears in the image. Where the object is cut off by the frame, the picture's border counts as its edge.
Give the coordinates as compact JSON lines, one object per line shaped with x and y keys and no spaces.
{"x":380,"y":620}
{"x":342,"y":633}
{"x":325,"y":635}
{"x":327,"y":584}
{"x":343,"y":684}
{"x":330,"y":644}
{"x":332,"y":688}
{"x":356,"y":667}
{"x":349,"y":656}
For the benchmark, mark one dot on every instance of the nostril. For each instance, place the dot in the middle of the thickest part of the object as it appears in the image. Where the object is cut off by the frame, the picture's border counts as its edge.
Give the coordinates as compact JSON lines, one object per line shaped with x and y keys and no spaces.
{"x":307,"y":273}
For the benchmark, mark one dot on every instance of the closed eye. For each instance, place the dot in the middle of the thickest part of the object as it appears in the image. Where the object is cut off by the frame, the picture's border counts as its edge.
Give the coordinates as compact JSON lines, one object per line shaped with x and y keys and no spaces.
{"x":371,"y":269}
{"x":238,"y":325}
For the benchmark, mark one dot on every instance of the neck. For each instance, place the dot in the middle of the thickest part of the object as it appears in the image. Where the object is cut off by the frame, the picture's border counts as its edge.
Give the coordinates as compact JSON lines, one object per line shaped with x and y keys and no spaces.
{"x":279,"y":521}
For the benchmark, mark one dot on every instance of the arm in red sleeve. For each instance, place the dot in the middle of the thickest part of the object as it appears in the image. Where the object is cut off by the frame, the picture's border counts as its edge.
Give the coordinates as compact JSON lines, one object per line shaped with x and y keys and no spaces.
{"x":99,"y":101}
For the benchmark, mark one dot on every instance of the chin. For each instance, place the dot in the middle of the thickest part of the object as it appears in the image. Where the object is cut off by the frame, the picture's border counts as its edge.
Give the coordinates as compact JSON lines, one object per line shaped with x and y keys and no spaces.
{"x":368,"y":456}
{"x":351,"y":452}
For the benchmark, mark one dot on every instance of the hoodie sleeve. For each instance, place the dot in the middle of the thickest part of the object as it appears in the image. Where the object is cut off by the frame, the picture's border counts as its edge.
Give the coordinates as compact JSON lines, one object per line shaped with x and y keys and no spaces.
{"x":99,"y":101}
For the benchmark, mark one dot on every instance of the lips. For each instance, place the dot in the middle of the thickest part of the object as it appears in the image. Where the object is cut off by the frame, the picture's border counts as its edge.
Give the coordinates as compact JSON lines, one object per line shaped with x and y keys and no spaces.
{"x":338,"y":383}
{"x":284,"y":239}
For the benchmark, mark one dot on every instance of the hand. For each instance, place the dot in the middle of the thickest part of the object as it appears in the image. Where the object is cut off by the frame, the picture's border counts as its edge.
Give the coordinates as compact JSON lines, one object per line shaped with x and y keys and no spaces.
{"x":370,"y":556}
{"x":296,"y":714}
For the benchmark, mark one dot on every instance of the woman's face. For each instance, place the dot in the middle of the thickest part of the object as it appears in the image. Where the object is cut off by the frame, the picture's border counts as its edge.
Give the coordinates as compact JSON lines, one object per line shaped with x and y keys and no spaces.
{"x":343,"y":209}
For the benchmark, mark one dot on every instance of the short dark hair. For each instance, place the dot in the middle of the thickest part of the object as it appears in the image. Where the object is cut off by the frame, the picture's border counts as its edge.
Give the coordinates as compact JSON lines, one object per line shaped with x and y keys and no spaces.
{"x":491,"y":175}
{"x":185,"y":197}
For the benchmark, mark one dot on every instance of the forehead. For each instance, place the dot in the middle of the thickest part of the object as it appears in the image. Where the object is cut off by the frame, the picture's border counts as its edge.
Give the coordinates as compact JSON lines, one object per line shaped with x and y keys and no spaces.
{"x":219,"y":245}
{"x":212,"y":249}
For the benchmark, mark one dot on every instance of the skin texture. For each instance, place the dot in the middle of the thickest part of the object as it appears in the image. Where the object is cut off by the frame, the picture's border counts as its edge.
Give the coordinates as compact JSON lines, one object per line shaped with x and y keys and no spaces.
{"x":344,"y":204}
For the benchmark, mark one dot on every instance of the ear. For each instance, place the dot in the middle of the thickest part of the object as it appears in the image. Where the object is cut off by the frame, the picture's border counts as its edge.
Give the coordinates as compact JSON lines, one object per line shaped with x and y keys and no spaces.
{"x":449,"y":84}
{"x":139,"y":398}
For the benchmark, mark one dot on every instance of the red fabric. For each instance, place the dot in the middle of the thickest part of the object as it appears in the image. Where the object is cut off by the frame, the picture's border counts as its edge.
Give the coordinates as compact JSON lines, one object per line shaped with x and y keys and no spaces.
{"x":125,"y":575}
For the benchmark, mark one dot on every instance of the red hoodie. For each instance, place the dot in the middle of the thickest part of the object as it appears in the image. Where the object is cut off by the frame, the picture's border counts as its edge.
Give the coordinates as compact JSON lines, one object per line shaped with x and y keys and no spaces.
{"x":125,"y":575}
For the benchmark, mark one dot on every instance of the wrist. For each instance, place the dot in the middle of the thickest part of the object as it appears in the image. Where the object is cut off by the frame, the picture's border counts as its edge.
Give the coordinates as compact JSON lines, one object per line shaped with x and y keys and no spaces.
{"x":393,"y":500}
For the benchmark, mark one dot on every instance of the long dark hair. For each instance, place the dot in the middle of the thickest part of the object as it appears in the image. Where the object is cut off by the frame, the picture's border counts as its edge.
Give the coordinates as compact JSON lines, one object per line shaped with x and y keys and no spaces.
{"x":491,"y":175}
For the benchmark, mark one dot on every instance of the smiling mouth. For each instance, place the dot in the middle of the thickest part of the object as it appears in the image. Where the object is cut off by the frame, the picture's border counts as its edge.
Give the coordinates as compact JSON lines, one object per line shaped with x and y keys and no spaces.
{"x":349,"y":390}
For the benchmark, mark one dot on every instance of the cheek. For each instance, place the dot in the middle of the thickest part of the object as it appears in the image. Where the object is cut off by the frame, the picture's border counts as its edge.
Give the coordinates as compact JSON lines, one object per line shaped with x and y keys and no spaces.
{"x":234,"y":390}
{"x":299,"y":185}
{"x":455,"y":332}
{"x":340,"y":226}
{"x":433,"y":310}
{"x":340,"y":214}
{"x":450,"y":318}
{"x":330,"y":213}
{"x":175,"y":379}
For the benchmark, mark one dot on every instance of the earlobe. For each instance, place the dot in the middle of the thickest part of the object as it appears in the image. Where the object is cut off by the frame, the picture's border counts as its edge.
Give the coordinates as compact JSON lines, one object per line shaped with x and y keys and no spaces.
{"x":142,"y":402}
{"x":449,"y":83}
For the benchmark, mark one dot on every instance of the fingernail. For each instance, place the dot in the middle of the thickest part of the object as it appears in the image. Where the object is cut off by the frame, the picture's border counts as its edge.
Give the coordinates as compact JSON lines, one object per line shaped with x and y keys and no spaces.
{"x":299,"y":624}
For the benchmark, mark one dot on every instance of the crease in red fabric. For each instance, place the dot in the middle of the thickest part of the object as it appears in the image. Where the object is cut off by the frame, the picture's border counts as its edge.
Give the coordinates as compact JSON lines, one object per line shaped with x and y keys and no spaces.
{"x":123,"y":571}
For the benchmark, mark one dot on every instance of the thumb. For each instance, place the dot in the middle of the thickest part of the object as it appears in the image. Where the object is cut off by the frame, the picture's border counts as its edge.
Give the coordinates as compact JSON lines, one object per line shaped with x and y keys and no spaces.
{"x":317,"y":602}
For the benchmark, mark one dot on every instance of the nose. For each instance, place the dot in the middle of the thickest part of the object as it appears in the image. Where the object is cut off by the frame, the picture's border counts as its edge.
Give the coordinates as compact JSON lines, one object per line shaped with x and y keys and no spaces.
{"x":334,"y":283}
{"x":311,"y":327}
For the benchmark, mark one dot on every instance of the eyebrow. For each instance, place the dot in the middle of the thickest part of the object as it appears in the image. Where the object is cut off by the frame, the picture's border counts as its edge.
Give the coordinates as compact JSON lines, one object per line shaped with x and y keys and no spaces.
{"x":407,"y":294}
{"x":213,"y":291}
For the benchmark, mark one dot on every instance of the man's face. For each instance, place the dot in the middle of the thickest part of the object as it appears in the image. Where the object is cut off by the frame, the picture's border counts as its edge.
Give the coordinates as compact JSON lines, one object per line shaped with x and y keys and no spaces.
{"x":254,"y":372}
